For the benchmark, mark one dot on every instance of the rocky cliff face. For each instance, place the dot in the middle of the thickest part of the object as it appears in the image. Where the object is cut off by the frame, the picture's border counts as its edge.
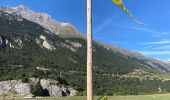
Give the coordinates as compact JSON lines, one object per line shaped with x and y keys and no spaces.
{"x":17,"y":88}
{"x":64,"y":30}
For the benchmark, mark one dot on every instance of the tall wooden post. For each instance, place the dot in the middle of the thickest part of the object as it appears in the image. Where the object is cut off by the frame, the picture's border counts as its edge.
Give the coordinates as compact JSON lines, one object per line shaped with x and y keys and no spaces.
{"x":89,"y":52}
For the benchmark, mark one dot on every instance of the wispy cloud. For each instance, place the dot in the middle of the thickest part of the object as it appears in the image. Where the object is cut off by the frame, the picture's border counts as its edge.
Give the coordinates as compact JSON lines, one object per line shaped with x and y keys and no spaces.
{"x":154,"y":33}
{"x":104,"y":24}
{"x":167,"y":47}
{"x":143,"y":29}
{"x":122,"y":25}
{"x":118,"y":43}
{"x":143,"y":48}
{"x":155,"y":52}
{"x":111,"y":21}
{"x":161,"y":34}
{"x":156,"y":42}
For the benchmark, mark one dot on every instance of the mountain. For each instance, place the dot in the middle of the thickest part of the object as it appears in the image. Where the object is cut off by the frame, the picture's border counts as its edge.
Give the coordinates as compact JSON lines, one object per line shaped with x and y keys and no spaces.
{"x":29,"y":46}
{"x":167,"y":61}
{"x":157,"y":64}
{"x":64,"y":30}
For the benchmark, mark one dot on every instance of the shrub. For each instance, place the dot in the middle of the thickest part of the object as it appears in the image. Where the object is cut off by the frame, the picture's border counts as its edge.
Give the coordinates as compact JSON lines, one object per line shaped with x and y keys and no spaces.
{"x":37,"y":90}
{"x":25,"y":80}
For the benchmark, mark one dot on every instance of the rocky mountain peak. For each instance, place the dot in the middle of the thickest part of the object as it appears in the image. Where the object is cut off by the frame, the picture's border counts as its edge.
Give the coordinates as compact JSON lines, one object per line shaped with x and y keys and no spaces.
{"x":64,"y":30}
{"x":21,"y":7}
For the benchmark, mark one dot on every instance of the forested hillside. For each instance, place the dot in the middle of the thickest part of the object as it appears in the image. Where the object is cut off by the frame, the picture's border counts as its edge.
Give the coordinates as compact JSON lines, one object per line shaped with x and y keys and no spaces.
{"x":28,"y":48}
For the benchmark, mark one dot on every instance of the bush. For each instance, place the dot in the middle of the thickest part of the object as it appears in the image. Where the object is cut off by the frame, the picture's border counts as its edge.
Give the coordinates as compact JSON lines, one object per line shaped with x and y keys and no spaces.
{"x":37,"y":90}
{"x":84,"y":93}
{"x":62,"y":81}
{"x":25,"y":80}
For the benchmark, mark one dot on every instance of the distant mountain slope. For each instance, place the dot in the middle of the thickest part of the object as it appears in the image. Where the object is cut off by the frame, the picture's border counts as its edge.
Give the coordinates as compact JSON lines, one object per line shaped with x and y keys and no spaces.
{"x":148,"y":62}
{"x":28,"y":47}
{"x":167,"y":62}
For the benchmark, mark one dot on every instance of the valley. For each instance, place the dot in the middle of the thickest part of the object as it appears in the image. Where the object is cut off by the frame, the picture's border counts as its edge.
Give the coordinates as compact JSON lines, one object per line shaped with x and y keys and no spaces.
{"x":31,"y":49}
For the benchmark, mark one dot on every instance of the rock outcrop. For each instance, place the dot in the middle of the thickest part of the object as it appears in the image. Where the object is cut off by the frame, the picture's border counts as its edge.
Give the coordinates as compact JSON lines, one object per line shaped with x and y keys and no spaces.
{"x":14,"y":87}
{"x":17,"y":88}
{"x":2,"y":42}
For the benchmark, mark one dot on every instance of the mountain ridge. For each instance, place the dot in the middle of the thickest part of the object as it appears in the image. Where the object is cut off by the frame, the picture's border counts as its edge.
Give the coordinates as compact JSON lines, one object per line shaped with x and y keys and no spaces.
{"x":45,"y":21}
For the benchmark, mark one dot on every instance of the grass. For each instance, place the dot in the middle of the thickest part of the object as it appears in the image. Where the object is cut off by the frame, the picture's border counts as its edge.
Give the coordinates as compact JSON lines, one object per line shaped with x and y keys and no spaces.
{"x":139,"y":97}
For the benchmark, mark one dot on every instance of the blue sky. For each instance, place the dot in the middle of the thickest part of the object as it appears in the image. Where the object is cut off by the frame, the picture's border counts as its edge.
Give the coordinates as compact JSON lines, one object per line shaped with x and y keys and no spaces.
{"x":113,"y":26}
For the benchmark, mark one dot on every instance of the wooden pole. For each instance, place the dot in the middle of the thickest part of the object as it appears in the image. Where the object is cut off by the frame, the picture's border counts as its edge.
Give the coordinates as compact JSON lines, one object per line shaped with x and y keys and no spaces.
{"x":89,"y":52}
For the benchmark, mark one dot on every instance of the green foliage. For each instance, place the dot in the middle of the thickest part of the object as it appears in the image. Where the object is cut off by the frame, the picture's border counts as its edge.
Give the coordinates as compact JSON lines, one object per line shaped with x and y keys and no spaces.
{"x":37,"y":90}
{"x":25,"y":80}
{"x":62,"y":81}
{"x":84,"y":93}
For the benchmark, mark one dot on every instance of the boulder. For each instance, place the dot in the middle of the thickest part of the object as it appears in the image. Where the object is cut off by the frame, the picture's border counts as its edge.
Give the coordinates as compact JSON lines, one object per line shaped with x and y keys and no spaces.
{"x":73,"y":92}
{"x":55,"y":90}
{"x":22,"y":89}
{"x":17,"y":88}
{"x":14,"y":87}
